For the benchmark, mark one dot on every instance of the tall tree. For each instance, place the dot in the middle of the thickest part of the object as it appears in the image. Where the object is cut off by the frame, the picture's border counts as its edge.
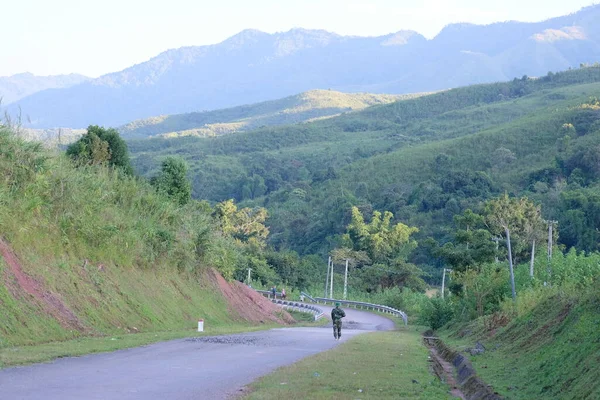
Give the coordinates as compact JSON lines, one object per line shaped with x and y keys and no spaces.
{"x":380,"y":239}
{"x":246,"y":224}
{"x":380,"y":247}
{"x":519,"y":216}
{"x":534,"y":231}
{"x":472,"y":244}
{"x":172,"y":180}
{"x":101,"y":146}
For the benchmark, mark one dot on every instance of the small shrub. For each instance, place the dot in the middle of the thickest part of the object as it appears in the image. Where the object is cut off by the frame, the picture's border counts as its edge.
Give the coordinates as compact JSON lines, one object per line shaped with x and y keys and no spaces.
{"x":437,"y":313}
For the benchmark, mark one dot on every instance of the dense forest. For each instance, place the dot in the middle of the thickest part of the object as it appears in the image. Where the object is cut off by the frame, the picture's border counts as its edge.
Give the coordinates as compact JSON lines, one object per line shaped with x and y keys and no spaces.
{"x":424,"y":160}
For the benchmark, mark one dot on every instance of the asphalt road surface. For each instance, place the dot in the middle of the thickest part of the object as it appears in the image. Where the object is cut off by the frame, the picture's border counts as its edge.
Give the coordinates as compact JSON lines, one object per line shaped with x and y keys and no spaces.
{"x":215,"y":367}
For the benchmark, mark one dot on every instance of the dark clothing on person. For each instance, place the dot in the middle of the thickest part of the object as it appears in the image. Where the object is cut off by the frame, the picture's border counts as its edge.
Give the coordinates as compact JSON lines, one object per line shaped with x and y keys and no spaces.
{"x":336,"y":316}
{"x":337,"y":329}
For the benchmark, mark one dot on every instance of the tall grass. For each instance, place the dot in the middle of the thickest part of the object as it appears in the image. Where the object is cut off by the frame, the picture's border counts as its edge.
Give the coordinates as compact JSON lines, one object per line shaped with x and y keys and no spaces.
{"x":122,"y":257}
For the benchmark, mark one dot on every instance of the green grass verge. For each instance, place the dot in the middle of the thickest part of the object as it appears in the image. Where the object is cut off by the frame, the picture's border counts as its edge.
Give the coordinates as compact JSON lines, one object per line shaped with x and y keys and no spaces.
{"x":380,"y":365}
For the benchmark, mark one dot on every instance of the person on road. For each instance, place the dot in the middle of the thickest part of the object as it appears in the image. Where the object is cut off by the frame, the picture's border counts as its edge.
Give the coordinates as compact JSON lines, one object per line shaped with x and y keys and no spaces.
{"x":336,"y":316}
{"x":274,"y":292}
{"x":283,"y":293}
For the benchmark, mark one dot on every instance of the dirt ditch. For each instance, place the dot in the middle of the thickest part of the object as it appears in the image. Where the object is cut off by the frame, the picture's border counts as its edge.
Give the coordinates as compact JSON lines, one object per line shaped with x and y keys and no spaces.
{"x":456,"y":370}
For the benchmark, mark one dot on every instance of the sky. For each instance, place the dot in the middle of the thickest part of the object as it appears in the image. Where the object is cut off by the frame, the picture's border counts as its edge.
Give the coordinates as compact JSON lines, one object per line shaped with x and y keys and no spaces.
{"x":48,"y":37}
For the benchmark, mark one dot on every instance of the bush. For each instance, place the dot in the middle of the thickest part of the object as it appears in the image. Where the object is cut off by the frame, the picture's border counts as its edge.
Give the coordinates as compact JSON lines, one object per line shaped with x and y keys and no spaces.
{"x":101,"y":146}
{"x":437,"y":313}
{"x":172,"y":180}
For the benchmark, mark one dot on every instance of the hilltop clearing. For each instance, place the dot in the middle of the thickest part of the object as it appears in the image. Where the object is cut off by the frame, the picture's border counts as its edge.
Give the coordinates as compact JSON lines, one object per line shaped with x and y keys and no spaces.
{"x":303,"y":107}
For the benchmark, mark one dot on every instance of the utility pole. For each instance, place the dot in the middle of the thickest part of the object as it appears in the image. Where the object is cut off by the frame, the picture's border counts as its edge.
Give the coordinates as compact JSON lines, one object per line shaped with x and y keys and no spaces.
{"x":331,"y":282}
{"x":550,"y":238}
{"x":327,"y":278}
{"x":532,"y":259}
{"x":443,"y":281}
{"x":346,"y":281}
{"x":550,"y":242}
{"x":248,"y":282}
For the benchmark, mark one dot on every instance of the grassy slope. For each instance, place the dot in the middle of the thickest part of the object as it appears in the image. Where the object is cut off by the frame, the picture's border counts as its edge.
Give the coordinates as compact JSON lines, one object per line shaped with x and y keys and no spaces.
{"x":303,"y":107}
{"x":383,"y":365}
{"x":101,"y":254}
{"x":551,"y":351}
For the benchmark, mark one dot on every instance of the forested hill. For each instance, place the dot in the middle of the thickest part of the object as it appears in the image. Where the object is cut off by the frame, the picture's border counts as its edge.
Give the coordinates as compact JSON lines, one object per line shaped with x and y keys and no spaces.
{"x":255,"y":66}
{"x":302,"y":107}
{"x":425,"y":160}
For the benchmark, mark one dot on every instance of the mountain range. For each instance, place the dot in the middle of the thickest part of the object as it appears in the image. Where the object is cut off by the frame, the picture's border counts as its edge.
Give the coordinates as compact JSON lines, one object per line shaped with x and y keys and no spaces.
{"x":255,"y":66}
{"x":15,"y":87}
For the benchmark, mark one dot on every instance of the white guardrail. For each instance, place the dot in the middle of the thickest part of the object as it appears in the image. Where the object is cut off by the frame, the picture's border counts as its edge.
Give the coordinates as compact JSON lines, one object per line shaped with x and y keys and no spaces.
{"x":363,"y":306}
{"x":347,"y":303}
{"x":295,"y":305}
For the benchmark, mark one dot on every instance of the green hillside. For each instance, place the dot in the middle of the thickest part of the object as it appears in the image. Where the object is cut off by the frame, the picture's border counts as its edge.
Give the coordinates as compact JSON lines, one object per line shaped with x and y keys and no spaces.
{"x":86,"y":250}
{"x":424,"y":159}
{"x":549,"y":350}
{"x":307,"y":106}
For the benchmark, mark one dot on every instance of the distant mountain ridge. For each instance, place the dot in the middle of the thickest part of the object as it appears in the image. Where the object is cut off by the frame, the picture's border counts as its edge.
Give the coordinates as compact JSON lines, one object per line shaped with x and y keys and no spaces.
{"x":254,"y":66}
{"x":303,"y":107}
{"x":15,"y":87}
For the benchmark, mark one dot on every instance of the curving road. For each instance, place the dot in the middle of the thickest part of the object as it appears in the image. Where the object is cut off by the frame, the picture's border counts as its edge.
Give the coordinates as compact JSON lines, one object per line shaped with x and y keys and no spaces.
{"x":215,"y":367}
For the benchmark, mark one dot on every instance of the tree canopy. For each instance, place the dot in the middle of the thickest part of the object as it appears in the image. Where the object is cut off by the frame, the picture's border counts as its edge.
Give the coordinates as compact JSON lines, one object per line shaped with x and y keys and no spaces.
{"x":379,"y":250}
{"x":172,"y":180}
{"x":101,"y":146}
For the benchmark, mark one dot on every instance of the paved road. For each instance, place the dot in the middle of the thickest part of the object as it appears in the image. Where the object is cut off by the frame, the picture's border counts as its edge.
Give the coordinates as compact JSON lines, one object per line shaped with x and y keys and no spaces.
{"x":215,"y":367}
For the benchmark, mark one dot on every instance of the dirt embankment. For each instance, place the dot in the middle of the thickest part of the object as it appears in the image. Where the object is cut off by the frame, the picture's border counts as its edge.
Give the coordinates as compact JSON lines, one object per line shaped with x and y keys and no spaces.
{"x":250,"y":305}
{"x":23,"y":286}
{"x":243,"y":303}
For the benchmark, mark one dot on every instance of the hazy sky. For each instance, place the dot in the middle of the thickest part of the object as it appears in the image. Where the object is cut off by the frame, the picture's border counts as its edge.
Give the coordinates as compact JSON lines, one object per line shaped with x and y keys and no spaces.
{"x":96,"y":37}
